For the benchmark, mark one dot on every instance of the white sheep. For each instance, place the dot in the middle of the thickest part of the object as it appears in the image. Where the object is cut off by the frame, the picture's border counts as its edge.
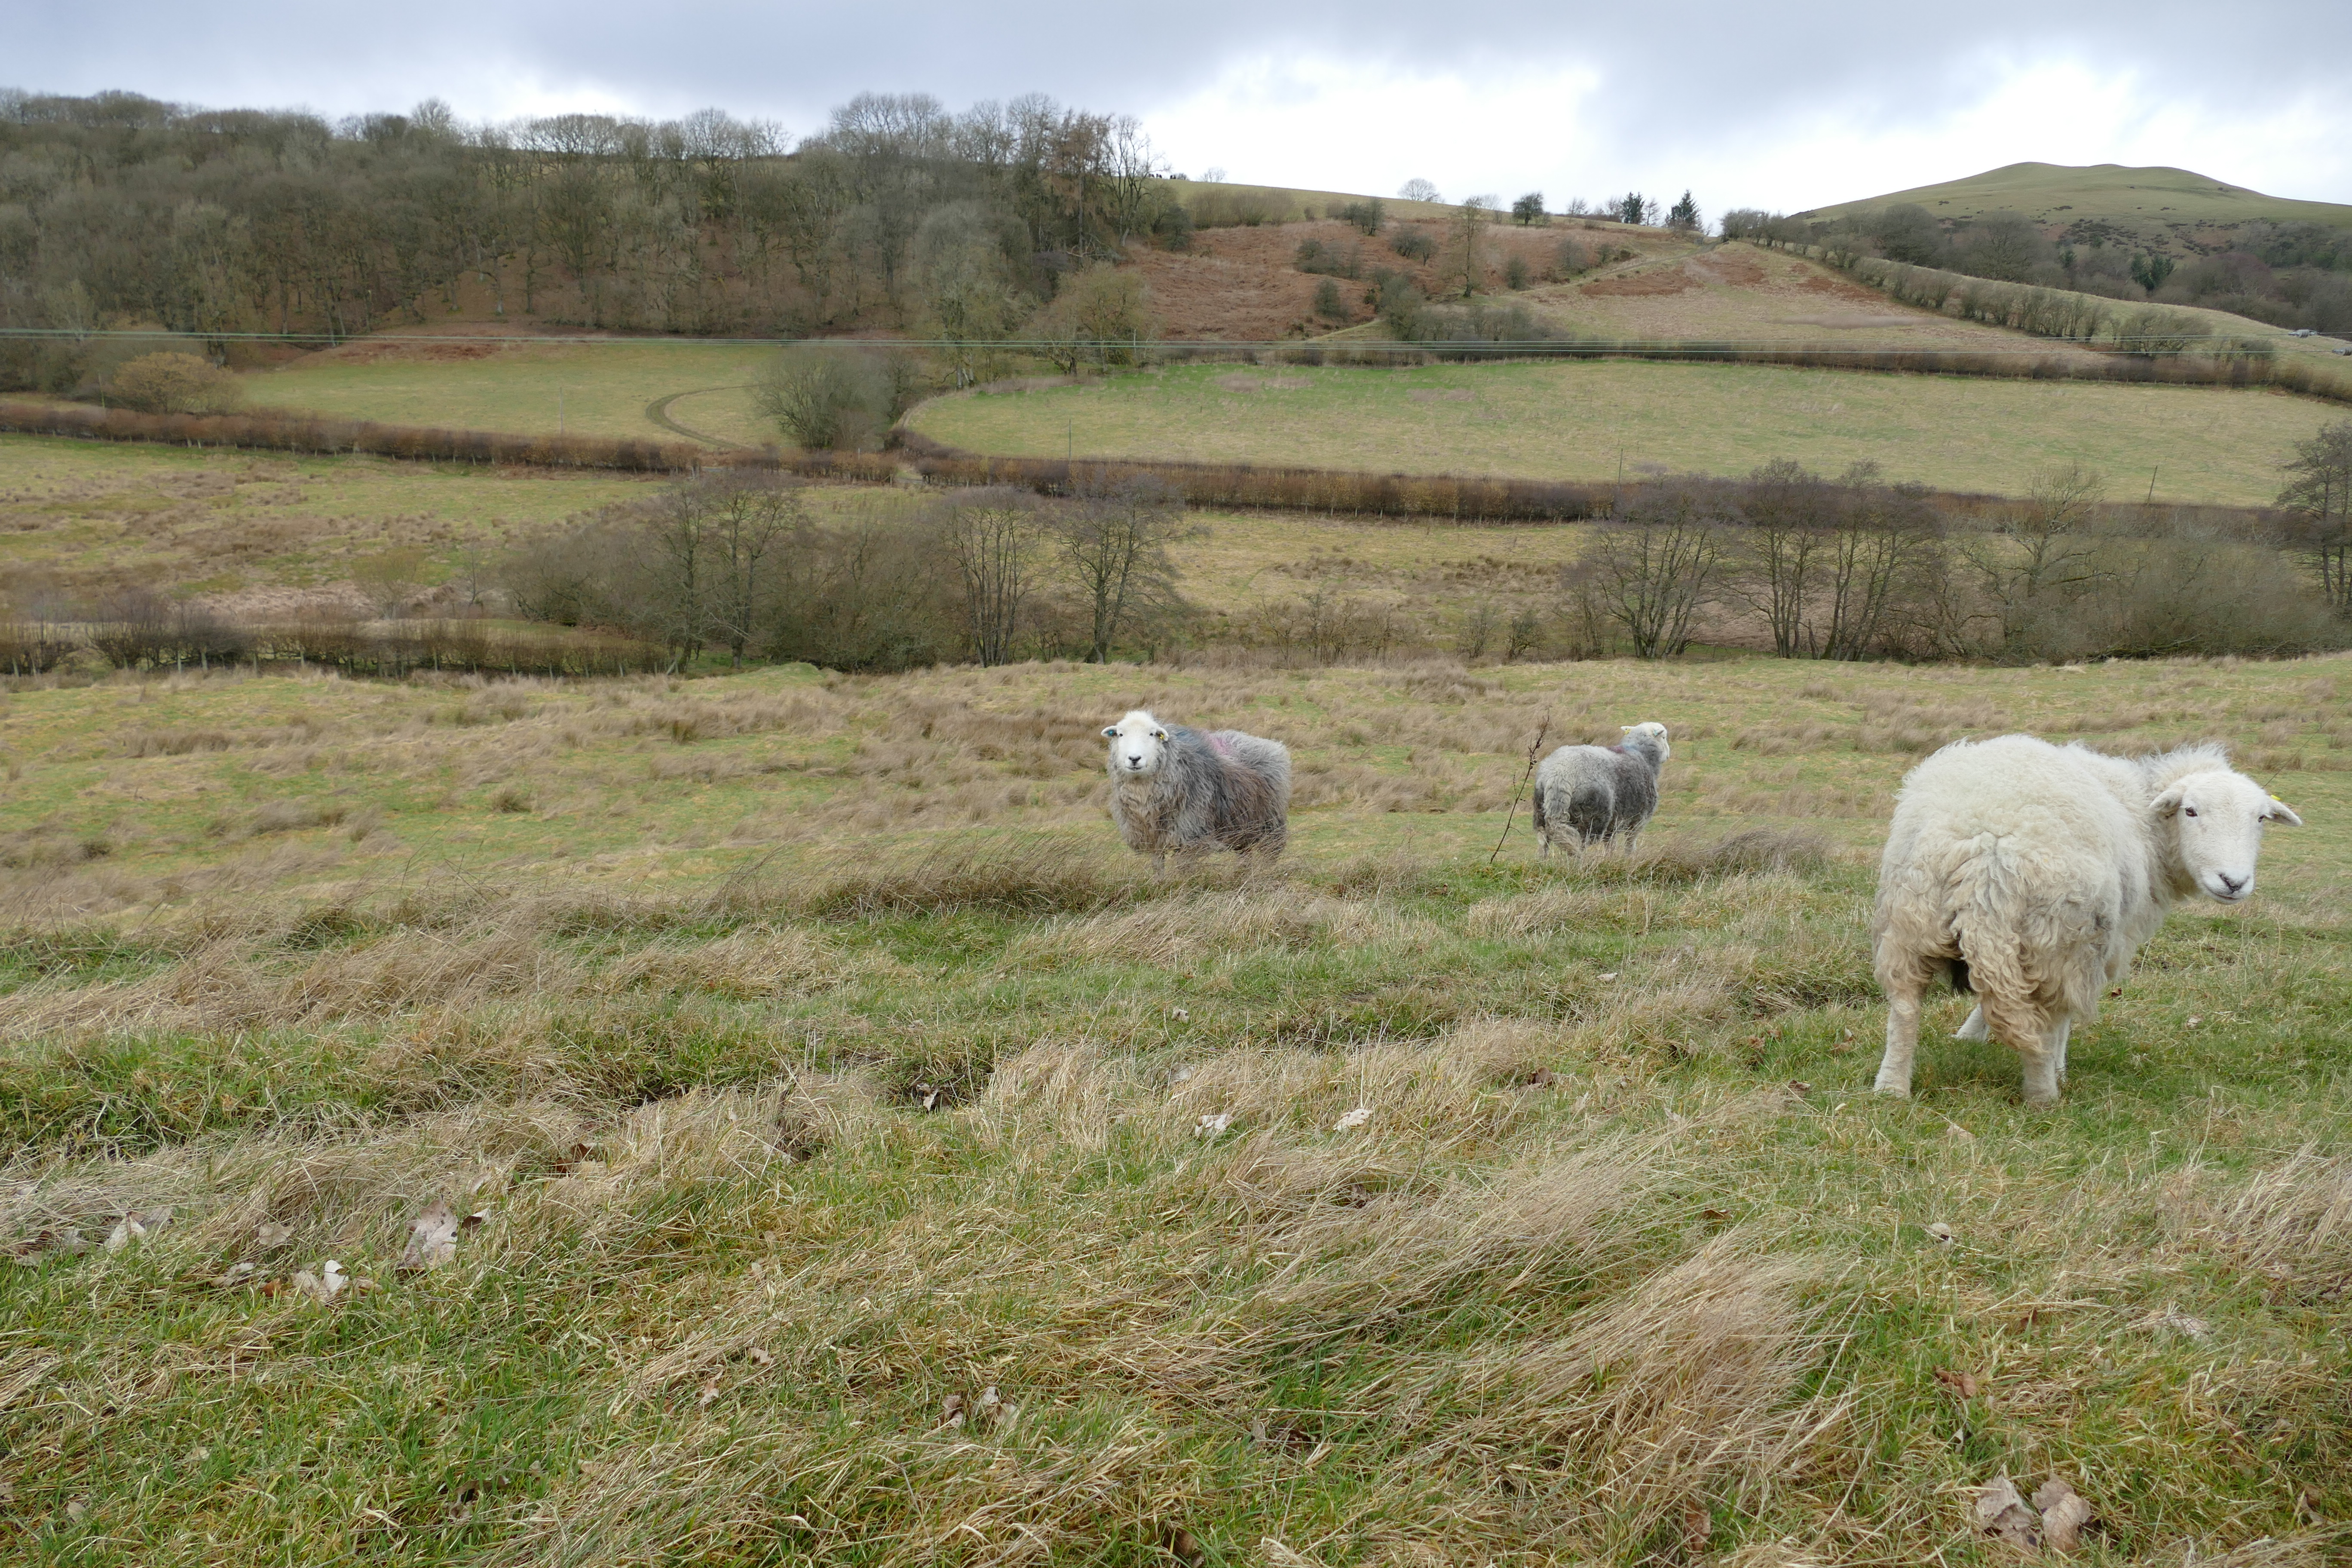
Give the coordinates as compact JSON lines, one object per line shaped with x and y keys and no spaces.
{"x":1179,"y":790}
{"x":2030,"y":873}
{"x":1587,"y":794}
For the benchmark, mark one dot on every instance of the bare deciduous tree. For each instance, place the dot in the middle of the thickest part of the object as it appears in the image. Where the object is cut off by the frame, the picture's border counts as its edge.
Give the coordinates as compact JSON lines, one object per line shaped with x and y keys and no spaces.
{"x":1653,"y":567}
{"x":1114,"y":547}
{"x":994,"y":537}
{"x":1787,"y":509}
{"x":1883,"y":556}
{"x":2045,"y":557}
{"x":2318,"y":492}
{"x":1470,"y":224}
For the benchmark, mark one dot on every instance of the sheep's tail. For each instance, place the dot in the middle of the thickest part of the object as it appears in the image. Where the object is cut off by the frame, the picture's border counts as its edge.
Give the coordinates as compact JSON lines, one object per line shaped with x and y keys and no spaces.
{"x":1985,"y":911}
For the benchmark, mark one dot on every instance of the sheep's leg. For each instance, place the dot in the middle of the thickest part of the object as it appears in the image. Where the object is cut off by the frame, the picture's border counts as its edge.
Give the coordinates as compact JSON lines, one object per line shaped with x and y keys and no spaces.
{"x":2040,"y":1075}
{"x":1902,"y":1036}
{"x":1975,"y":1028}
{"x":2058,"y":1047}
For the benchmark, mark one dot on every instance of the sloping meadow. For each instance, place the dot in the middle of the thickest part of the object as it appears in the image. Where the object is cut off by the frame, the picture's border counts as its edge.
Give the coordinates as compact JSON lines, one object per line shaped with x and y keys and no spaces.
{"x":770,"y":1120}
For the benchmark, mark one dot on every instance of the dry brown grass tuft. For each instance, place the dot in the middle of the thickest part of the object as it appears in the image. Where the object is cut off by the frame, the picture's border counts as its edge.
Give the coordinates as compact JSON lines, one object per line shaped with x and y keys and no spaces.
{"x":1683,"y":1383}
{"x":1265,"y":916}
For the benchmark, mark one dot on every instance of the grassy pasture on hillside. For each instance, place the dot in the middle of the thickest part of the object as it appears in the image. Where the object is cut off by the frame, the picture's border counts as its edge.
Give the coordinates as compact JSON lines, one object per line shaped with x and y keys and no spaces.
{"x":874,"y":1163}
{"x":2157,"y":205}
{"x":92,"y":514}
{"x":87,"y":516}
{"x":1579,"y":421}
{"x":596,"y":389}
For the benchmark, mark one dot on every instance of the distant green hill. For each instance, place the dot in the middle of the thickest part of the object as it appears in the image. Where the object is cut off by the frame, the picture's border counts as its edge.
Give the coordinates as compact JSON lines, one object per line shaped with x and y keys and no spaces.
{"x":2160,"y":208}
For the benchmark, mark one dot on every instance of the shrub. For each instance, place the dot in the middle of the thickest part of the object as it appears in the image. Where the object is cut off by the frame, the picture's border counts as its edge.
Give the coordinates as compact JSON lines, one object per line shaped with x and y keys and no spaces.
{"x":172,"y":383}
{"x":1516,"y":272}
{"x":1413,"y":244}
{"x":1368,"y":215}
{"x":1314,"y":256}
{"x":1328,"y":303}
{"x":837,"y":398}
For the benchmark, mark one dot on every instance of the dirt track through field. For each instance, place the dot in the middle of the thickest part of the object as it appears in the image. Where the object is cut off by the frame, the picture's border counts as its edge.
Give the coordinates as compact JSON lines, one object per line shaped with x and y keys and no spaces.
{"x":657,"y":411}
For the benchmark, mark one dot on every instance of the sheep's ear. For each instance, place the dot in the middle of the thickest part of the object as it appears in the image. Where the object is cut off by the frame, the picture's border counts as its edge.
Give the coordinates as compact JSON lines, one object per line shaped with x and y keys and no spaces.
{"x":1110,"y":732}
{"x":1159,"y":734}
{"x":2169,"y":802}
{"x":2279,"y":811}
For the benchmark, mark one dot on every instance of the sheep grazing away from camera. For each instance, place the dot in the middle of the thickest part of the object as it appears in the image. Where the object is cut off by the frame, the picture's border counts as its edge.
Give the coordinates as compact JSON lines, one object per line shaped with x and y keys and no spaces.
{"x":2030,"y":873}
{"x":1585,"y":794}
{"x":1180,"y":790}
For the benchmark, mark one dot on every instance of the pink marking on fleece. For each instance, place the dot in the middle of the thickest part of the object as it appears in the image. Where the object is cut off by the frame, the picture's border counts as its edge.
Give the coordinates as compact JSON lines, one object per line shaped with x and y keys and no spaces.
{"x":1224,"y":747}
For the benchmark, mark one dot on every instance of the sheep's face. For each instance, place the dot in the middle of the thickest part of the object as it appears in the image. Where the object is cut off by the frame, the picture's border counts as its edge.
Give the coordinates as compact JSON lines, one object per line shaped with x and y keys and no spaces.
{"x":1136,"y":744}
{"x":2219,"y":817}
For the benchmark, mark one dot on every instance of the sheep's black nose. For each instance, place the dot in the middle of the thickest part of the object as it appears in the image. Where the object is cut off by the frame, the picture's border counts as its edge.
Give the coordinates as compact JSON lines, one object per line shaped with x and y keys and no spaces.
{"x":2232,"y":883}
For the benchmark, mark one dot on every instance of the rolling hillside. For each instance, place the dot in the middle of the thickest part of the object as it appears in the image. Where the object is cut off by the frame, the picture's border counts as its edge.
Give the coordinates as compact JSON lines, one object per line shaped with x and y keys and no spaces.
{"x":2175,"y":210}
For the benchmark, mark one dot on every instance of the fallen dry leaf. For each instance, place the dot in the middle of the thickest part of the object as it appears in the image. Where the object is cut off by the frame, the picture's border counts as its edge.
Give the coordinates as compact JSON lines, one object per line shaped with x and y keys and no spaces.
{"x":1960,"y":1382}
{"x":131,"y":1227}
{"x":325,"y":1285}
{"x":432,"y":1239}
{"x":759,"y":1357}
{"x":952,"y":1411}
{"x":1942,"y":1233}
{"x":240,"y":1273}
{"x":1212,"y":1126}
{"x":2063,"y":1515}
{"x":1698,"y":1528}
{"x":1540,"y":1078}
{"x":1610,"y":974}
{"x":1180,"y":1013}
{"x":2178,"y":1322}
{"x":565,"y":1164}
{"x":709,"y":1392}
{"x":2001,"y":1513}
{"x":270,"y":1237}
{"x":1355,"y":1118}
{"x":1184,"y":1545}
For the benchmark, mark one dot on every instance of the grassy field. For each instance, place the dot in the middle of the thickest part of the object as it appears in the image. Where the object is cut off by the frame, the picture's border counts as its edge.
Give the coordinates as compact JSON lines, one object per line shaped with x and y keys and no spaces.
{"x":595,"y":389}
{"x":869,"y":1162}
{"x":1580,"y":421}
{"x":2161,"y":205}
{"x":85,"y":515}
{"x":266,"y":534}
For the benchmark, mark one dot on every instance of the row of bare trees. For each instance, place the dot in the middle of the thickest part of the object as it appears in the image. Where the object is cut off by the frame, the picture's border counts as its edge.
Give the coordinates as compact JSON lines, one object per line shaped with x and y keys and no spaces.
{"x":1854,"y":568}
{"x":737,"y":563}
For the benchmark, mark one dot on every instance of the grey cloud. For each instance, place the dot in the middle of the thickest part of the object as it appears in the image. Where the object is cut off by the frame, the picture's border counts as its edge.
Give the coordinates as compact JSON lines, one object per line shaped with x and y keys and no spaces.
{"x":1683,"y":75}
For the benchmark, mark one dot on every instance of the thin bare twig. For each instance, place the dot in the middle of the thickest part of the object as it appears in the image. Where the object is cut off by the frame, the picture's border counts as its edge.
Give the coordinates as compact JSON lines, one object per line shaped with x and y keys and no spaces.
{"x":1535,"y":753}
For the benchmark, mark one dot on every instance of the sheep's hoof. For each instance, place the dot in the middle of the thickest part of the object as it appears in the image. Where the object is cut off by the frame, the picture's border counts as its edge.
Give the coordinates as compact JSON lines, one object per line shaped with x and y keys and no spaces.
{"x":1887,"y":1085}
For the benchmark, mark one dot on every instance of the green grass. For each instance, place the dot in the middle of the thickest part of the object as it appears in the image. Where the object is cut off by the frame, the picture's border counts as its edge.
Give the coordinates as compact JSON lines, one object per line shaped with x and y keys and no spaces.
{"x":599,"y":389}
{"x":812,"y":1054}
{"x":1579,"y":421}
{"x":2160,"y":206}
{"x":93,"y":513}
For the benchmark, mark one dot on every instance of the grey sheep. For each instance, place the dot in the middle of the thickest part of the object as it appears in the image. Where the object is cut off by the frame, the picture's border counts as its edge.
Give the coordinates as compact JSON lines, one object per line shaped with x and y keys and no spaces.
{"x":1589,"y":794}
{"x":1181,"y":790}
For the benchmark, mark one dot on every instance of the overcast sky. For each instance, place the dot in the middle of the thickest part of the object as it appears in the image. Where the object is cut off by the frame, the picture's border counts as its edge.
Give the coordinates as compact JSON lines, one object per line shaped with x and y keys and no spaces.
{"x":1784,"y":106}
